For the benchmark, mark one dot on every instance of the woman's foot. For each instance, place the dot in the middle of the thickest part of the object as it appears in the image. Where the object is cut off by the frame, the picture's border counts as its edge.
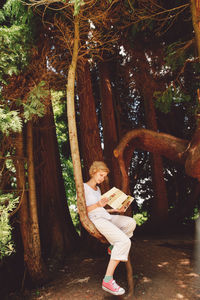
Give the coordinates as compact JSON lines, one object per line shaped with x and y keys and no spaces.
{"x":112,"y":287}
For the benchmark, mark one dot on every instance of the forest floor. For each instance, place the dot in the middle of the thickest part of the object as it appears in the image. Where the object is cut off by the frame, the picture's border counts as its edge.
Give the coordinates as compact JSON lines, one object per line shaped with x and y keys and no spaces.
{"x":164,"y":269}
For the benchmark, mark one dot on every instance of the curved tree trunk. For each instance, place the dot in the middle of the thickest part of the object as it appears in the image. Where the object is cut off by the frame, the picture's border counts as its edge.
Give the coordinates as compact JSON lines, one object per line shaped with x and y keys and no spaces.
{"x":88,"y":225}
{"x":175,"y":149}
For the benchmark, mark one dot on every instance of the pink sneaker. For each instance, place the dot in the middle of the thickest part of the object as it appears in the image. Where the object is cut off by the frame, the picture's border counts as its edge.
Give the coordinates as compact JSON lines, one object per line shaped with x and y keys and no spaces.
{"x":112,"y":287}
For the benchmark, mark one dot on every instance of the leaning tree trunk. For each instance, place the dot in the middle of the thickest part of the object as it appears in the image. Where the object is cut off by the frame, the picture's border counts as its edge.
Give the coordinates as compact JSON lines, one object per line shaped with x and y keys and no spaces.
{"x":58,"y":235}
{"x":36,"y":265}
{"x":109,"y":123}
{"x":89,"y":226}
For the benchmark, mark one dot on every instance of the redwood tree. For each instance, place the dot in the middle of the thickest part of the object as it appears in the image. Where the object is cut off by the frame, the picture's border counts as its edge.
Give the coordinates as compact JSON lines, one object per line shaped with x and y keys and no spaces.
{"x":58,"y":234}
{"x":90,"y":142}
{"x":147,"y":85}
{"x":110,"y":134}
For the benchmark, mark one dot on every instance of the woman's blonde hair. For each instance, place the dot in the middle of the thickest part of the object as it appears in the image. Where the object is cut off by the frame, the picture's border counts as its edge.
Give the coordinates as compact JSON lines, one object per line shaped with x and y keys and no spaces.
{"x":98,"y":166}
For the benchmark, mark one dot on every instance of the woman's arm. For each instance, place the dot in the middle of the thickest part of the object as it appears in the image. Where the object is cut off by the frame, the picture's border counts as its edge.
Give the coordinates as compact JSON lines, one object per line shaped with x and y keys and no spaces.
{"x":100,"y":203}
{"x":113,"y":210}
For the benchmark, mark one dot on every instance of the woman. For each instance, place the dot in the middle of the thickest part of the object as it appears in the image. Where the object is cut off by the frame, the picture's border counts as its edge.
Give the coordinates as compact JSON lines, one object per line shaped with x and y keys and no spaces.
{"x":117,"y":229}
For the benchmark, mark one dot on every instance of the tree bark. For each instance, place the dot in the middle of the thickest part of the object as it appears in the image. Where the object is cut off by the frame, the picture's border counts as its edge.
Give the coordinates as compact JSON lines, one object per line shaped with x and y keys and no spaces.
{"x":159,"y":213}
{"x":109,"y":124}
{"x":88,"y":225}
{"x":23,"y":211}
{"x":175,"y":149}
{"x":195,"y":11}
{"x":38,"y":269}
{"x":192,"y":164}
{"x":58,"y":235}
{"x":32,"y":253}
{"x":91,"y":149}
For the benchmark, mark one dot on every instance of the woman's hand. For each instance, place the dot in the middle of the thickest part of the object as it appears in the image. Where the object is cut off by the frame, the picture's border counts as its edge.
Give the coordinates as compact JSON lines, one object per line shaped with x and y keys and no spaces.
{"x":103,"y":202}
{"x":113,"y":210}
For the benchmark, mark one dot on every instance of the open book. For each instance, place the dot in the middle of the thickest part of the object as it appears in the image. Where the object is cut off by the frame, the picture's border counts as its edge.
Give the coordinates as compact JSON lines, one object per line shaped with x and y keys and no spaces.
{"x":117,"y":199}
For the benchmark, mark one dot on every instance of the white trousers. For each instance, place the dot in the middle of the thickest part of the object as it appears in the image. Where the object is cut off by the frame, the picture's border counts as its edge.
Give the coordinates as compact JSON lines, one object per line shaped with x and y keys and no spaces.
{"x":118,"y":231}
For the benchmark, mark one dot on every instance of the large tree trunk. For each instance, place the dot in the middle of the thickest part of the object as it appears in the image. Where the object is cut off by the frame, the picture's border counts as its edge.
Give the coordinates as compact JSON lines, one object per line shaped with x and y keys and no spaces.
{"x":23,"y":211}
{"x":91,"y":149}
{"x":147,"y":85}
{"x":38,"y":270}
{"x":109,"y":124}
{"x":159,"y":213}
{"x":30,"y":235}
{"x":58,"y":234}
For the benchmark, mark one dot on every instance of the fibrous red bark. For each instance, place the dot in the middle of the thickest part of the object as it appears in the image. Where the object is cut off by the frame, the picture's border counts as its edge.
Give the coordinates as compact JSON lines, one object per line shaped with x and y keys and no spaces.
{"x":176,"y":149}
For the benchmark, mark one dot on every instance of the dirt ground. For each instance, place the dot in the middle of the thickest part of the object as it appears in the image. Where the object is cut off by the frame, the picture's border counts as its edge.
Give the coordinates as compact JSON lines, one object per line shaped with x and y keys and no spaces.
{"x":164,"y":269}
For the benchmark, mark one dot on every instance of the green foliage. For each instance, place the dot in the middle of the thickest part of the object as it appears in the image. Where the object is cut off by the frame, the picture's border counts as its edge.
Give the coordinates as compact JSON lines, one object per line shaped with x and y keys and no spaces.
{"x":164,"y":100}
{"x":7,"y":204}
{"x":70,"y":188}
{"x":15,"y":38}
{"x":141,"y":218}
{"x":17,"y":12}
{"x":34,"y":104}
{"x":77,"y":5}
{"x":14,"y":45}
{"x":175,"y":56}
{"x":2,"y":16}
{"x":10,"y":121}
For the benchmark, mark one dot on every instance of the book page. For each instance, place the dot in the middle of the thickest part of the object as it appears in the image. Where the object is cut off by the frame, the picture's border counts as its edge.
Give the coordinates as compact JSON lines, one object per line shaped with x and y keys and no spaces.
{"x":127,"y":202}
{"x":117,"y":198}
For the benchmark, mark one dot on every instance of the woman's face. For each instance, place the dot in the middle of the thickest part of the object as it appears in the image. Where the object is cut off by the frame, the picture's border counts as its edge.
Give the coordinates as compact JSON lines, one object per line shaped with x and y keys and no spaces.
{"x":99,"y":176}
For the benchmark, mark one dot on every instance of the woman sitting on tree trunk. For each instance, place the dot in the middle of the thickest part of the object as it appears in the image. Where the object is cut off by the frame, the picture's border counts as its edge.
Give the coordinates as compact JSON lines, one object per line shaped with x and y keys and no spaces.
{"x":117,"y":229}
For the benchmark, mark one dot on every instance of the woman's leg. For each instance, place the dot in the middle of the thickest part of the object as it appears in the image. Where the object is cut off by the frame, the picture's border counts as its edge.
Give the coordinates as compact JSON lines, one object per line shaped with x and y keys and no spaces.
{"x":125,"y":223}
{"x":115,"y":237}
{"x":111,"y":267}
{"x":108,"y":283}
{"x":120,"y":251}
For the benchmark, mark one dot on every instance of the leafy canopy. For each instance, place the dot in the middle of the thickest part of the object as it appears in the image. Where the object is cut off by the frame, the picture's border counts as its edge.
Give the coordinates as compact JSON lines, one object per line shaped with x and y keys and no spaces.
{"x":15,"y":38}
{"x":9,"y":121}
